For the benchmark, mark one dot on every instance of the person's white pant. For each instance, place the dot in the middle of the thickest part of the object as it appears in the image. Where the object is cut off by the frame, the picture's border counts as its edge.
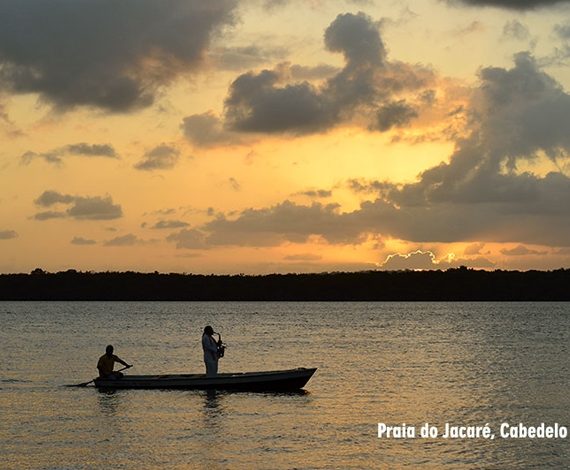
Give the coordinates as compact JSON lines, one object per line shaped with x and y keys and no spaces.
{"x":211,"y":368}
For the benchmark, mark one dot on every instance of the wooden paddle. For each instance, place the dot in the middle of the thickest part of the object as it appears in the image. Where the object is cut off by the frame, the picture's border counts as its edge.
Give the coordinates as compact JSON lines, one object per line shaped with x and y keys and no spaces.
{"x":84,"y":384}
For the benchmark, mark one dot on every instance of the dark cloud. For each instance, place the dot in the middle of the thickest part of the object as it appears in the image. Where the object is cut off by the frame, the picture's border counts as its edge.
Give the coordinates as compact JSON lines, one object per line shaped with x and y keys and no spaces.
{"x":94,"y":208}
{"x":92,"y":150}
{"x":303,"y":257}
{"x":169,"y":224}
{"x":317,"y":72}
{"x":357,"y":38}
{"x":80,"y":207}
{"x":561,"y":53}
{"x":368,"y":84}
{"x":162,"y":157}
{"x":563,"y":31}
{"x":510,"y":4}
{"x":49,"y":198}
{"x":81,"y":149}
{"x":274,"y":4}
{"x":189,"y":239}
{"x":316,"y":193}
{"x":7,"y":234}
{"x":256,"y":104}
{"x":283,"y":222}
{"x":48,"y":215}
{"x":207,"y":130}
{"x":246,"y":57}
{"x":514,"y":29}
{"x":103,"y":53}
{"x":123,"y":240}
{"x":82,"y":241}
{"x":395,"y":114}
{"x":521,"y":250}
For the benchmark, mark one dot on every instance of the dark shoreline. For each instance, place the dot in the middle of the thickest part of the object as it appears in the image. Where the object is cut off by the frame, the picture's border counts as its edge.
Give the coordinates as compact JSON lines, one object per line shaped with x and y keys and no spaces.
{"x":459,"y":284}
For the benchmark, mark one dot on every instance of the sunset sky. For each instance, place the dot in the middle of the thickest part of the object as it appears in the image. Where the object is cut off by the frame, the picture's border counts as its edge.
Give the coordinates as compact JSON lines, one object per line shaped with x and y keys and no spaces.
{"x":284,"y":135}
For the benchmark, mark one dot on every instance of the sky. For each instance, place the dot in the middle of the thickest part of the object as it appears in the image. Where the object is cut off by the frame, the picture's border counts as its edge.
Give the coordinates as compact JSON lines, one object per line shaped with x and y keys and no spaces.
{"x":262,"y":136}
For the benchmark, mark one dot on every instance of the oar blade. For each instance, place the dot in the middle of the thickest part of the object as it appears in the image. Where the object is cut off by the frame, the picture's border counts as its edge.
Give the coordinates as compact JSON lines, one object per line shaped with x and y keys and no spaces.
{"x":84,"y":384}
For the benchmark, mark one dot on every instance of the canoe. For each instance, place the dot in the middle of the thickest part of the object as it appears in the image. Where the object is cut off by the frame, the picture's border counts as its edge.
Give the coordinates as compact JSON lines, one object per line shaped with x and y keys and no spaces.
{"x":275,"y":381}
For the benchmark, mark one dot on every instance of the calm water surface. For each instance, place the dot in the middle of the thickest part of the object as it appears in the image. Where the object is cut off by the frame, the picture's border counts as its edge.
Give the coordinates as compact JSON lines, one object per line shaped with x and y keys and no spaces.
{"x":462,"y":363}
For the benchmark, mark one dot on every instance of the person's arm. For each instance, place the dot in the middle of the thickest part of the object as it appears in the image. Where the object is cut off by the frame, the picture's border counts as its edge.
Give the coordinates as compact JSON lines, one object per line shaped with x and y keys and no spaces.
{"x":120,"y":361}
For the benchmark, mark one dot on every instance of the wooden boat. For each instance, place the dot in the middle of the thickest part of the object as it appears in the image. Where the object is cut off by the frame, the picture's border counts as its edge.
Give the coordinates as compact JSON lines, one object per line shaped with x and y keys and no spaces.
{"x":275,"y":381}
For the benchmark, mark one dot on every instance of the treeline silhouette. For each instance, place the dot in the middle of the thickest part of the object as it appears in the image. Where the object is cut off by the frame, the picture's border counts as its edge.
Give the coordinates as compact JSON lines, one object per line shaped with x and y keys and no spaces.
{"x":452,"y":285}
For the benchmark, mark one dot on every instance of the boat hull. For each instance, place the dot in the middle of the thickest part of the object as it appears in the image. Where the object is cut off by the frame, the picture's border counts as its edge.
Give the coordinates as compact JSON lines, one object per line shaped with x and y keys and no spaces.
{"x":274,"y":381}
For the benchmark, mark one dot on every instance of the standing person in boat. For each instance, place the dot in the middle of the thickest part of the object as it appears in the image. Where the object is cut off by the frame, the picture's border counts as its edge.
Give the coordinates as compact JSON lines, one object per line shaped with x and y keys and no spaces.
{"x":210,"y":347}
{"x":106,"y":364}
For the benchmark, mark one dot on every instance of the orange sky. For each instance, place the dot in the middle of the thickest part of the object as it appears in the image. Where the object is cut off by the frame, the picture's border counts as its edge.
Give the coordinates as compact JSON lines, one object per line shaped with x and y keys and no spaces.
{"x":284,"y":136}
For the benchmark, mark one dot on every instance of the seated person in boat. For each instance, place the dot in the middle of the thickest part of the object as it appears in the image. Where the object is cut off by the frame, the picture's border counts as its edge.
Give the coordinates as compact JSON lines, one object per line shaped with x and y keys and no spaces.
{"x":210,"y":347}
{"x":106,"y":364}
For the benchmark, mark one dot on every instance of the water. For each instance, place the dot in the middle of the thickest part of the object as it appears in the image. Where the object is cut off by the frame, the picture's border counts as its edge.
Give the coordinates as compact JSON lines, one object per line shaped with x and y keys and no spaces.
{"x":463,"y":363}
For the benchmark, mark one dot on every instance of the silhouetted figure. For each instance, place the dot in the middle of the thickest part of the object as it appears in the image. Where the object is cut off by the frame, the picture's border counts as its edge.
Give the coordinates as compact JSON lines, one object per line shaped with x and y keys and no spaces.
{"x":210,"y":347}
{"x":106,"y":364}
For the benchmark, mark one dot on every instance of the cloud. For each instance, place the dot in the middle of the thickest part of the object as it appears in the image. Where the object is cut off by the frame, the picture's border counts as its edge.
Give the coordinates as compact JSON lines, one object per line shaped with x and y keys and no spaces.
{"x":283,"y":222}
{"x":394,"y":114}
{"x":81,"y":149}
{"x":416,"y":260}
{"x":303,"y":257}
{"x":274,"y":4}
{"x":510,"y":4}
{"x":362,"y":2}
{"x":471,"y":28}
{"x":521,"y":250}
{"x":514,"y":29}
{"x":234,"y":184}
{"x":162,"y":157}
{"x":561,"y":53}
{"x":316,"y":72}
{"x":80,"y":207}
{"x":474,"y":249}
{"x":563,"y":31}
{"x":367,"y":88}
{"x":426,"y":260}
{"x":124,"y":240}
{"x":94,"y":208}
{"x":169,"y":224}
{"x":49,"y":198}
{"x":101,"y":53}
{"x":48,"y":215}
{"x":8,"y":234}
{"x":245,"y":57}
{"x":189,"y":239}
{"x":255,"y":104}
{"x":207,"y":130}
{"x":82,"y":241}
{"x":514,"y":116}
{"x":315,"y":193}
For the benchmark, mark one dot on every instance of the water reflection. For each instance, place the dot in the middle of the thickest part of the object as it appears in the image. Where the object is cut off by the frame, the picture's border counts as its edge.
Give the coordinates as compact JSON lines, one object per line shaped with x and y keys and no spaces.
{"x":213,"y":410}
{"x":109,"y":402}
